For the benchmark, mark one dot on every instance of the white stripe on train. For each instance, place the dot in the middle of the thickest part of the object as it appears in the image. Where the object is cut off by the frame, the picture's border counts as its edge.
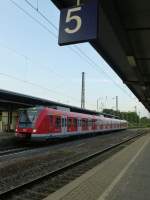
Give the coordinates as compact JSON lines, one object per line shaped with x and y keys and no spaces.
{"x":67,"y":134}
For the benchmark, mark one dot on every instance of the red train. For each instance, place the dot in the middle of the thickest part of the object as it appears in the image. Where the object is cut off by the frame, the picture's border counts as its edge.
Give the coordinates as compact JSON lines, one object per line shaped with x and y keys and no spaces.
{"x":45,"y":123}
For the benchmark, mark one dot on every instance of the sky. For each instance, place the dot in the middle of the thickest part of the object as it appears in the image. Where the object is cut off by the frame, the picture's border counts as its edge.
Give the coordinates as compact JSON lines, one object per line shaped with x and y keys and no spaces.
{"x":32,"y":62}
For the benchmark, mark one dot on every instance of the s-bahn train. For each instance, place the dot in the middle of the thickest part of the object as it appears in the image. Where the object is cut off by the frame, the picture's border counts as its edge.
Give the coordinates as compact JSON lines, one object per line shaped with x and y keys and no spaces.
{"x":46,"y":123}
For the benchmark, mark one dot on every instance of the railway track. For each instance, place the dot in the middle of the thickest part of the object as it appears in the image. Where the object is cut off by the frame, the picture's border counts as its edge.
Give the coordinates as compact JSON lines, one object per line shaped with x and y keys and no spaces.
{"x":12,"y":151}
{"x":29,"y":189}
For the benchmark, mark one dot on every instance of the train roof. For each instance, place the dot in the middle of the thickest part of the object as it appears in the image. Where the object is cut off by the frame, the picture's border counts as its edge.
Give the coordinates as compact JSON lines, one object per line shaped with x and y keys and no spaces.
{"x":82,"y":115}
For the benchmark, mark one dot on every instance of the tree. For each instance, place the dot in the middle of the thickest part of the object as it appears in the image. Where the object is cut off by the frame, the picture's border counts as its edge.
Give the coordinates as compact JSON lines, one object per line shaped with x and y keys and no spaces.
{"x":132,"y":117}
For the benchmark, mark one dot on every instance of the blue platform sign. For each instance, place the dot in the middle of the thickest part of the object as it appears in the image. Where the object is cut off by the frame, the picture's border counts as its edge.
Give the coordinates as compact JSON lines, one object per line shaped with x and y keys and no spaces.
{"x":79,"y":24}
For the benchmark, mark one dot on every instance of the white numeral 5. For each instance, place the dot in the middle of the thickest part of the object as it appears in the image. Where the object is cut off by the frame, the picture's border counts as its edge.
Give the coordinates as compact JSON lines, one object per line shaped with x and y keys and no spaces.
{"x":78,"y":20}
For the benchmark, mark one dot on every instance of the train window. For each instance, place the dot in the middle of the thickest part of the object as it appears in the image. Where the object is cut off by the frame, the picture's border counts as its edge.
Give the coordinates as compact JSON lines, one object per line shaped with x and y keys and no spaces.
{"x":93,"y":122}
{"x":51,"y":119}
{"x":83,"y":123}
{"x":89,"y":122}
{"x":78,"y":122}
{"x":75,"y":122}
{"x":63,"y":122}
{"x":86,"y":123}
{"x":58,"y":122}
{"x":69,"y":122}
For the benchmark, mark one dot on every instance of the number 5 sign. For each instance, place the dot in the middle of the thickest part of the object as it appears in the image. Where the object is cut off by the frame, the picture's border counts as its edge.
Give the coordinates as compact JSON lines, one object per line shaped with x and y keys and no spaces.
{"x":79,"y":24}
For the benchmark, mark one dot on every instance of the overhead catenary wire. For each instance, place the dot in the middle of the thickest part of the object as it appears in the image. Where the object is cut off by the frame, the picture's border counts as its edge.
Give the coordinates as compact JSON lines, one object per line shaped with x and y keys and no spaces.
{"x":37,"y":21}
{"x":42,"y":87}
{"x":37,"y":4}
{"x":27,"y":58}
{"x":95,"y":64}
{"x":41,"y":14}
{"x":14,"y":51}
{"x":25,"y":81}
{"x":37,"y":85}
{"x":78,"y":48}
{"x":29,"y":15}
{"x":55,"y":36}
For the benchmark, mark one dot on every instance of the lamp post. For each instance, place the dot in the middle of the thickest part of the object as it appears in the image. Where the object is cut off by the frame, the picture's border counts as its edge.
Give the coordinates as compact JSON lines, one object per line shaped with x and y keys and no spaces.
{"x":78,"y":2}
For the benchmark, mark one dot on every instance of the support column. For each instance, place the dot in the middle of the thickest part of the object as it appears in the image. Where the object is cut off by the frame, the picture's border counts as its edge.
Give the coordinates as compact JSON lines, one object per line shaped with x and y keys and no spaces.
{"x":1,"y":128}
{"x":9,"y":121}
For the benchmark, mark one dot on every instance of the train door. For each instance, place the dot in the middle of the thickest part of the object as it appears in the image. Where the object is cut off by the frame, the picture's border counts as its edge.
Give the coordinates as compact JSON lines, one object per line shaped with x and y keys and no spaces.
{"x":64,"y":124}
{"x":89,"y":124}
{"x":79,"y":125}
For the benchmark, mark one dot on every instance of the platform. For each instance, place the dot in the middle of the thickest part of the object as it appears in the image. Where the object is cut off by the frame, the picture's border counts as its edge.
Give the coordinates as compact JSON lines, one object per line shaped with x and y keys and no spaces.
{"x":5,"y":135}
{"x":124,"y":176}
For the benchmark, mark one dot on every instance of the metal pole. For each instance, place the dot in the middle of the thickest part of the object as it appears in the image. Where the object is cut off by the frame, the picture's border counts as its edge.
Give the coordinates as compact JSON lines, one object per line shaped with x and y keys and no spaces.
{"x":97,"y":104}
{"x":135,"y":109}
{"x":106,"y":102}
{"x":136,"y":114}
{"x":37,"y":5}
{"x":116,"y":103}
{"x":78,"y":2}
{"x":139,"y":118}
{"x":83,"y":91}
{"x":102,"y":107}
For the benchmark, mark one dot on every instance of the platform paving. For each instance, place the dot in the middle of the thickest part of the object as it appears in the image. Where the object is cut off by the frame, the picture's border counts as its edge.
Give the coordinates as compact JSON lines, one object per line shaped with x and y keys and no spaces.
{"x":124,"y":176}
{"x":4,"y":135}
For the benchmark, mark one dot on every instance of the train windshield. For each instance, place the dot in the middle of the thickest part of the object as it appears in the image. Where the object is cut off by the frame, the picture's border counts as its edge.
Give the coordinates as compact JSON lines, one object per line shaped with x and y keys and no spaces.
{"x":27,"y":117}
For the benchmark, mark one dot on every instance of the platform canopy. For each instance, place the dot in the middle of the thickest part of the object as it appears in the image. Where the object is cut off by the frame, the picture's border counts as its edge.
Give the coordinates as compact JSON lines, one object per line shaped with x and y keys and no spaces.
{"x":12,"y":101}
{"x":124,"y":41}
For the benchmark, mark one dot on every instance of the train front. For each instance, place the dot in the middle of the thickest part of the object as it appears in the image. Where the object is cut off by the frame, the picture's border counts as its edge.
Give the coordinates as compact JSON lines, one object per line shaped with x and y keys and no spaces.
{"x":26,"y":124}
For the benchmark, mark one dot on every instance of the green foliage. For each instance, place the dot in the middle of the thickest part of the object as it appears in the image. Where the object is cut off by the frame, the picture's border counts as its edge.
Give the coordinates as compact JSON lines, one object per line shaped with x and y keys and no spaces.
{"x":145,"y":121}
{"x":132,"y":117}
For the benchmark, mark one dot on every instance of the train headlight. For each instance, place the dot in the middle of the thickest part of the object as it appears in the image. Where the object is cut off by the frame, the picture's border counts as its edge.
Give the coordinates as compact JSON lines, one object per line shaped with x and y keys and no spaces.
{"x":16,"y":129}
{"x":34,"y":130}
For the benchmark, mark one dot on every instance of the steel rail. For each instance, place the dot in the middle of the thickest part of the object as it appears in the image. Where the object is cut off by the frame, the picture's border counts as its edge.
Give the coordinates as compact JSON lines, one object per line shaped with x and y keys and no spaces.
{"x":14,"y":151}
{"x":11,"y":151}
{"x":38,"y":179}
